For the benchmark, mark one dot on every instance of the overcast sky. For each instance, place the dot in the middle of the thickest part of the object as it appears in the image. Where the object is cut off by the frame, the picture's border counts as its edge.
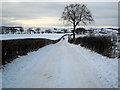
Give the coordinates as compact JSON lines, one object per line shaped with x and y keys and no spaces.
{"x":48,"y":13}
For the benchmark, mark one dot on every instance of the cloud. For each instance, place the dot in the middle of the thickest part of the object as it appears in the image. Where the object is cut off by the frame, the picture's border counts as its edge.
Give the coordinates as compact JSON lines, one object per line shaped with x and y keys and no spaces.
{"x":51,"y":21}
{"x":48,"y":13}
{"x":106,"y":21}
{"x":32,"y":10}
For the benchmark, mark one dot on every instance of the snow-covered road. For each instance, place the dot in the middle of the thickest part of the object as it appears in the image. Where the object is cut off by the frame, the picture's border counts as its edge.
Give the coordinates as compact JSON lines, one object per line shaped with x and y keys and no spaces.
{"x":61,"y":65}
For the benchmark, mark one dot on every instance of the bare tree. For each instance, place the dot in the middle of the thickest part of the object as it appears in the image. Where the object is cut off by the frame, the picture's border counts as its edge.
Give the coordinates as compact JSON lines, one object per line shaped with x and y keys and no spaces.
{"x":38,"y":30}
{"x":75,"y":14}
{"x":21,"y":30}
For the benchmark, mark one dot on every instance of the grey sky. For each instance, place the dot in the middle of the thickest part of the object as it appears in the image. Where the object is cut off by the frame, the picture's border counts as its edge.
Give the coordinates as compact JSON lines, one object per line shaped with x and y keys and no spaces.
{"x":48,"y":13}
{"x":60,"y":0}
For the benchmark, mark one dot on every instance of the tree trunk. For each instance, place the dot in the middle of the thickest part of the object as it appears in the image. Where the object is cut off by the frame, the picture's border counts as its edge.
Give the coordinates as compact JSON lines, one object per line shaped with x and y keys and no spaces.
{"x":73,"y":35}
{"x":74,"y":31}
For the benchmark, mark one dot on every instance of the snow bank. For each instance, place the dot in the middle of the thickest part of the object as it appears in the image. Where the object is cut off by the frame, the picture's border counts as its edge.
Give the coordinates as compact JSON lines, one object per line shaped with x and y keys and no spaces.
{"x":105,"y":68}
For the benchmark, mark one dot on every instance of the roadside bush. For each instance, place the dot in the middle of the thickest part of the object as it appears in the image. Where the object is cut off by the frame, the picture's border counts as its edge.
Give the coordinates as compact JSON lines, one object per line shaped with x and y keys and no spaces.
{"x":100,"y":44}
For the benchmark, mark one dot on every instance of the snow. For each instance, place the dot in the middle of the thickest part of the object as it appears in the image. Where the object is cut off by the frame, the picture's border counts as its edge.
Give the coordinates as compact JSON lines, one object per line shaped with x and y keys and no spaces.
{"x":22,"y":36}
{"x":61,"y":65}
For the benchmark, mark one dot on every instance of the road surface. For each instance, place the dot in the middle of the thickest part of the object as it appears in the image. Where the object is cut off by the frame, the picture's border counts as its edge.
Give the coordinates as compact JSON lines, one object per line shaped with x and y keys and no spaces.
{"x":61,"y":65}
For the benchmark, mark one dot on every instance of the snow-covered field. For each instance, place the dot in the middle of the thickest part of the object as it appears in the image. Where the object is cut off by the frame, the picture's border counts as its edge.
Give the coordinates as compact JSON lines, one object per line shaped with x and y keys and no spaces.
{"x":61,"y":65}
{"x":22,"y":36}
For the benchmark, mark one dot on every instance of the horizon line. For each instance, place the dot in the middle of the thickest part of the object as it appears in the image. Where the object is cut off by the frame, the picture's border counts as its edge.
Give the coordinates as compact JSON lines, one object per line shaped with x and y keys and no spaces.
{"x":63,"y":26}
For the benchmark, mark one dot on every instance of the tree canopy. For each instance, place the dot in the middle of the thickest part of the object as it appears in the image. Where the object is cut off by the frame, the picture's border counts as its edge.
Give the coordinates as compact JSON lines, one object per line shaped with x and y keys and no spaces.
{"x":75,"y":14}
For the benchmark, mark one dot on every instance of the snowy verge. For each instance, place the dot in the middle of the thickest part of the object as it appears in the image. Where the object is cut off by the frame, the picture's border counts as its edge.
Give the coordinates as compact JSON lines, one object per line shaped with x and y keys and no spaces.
{"x":22,"y":36}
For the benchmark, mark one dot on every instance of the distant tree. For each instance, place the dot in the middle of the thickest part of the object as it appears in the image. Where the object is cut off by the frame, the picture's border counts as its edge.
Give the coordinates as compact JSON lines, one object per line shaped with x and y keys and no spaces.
{"x":55,"y":28}
{"x":76,"y":13}
{"x":13,"y":31}
{"x":80,"y":30}
{"x":102,"y":29}
{"x":29,"y":30}
{"x":65,"y":30}
{"x":48,"y":31}
{"x":119,"y":30}
{"x":42,"y":32}
{"x":38,"y":30}
{"x":3,"y":31}
{"x":21,"y":30}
